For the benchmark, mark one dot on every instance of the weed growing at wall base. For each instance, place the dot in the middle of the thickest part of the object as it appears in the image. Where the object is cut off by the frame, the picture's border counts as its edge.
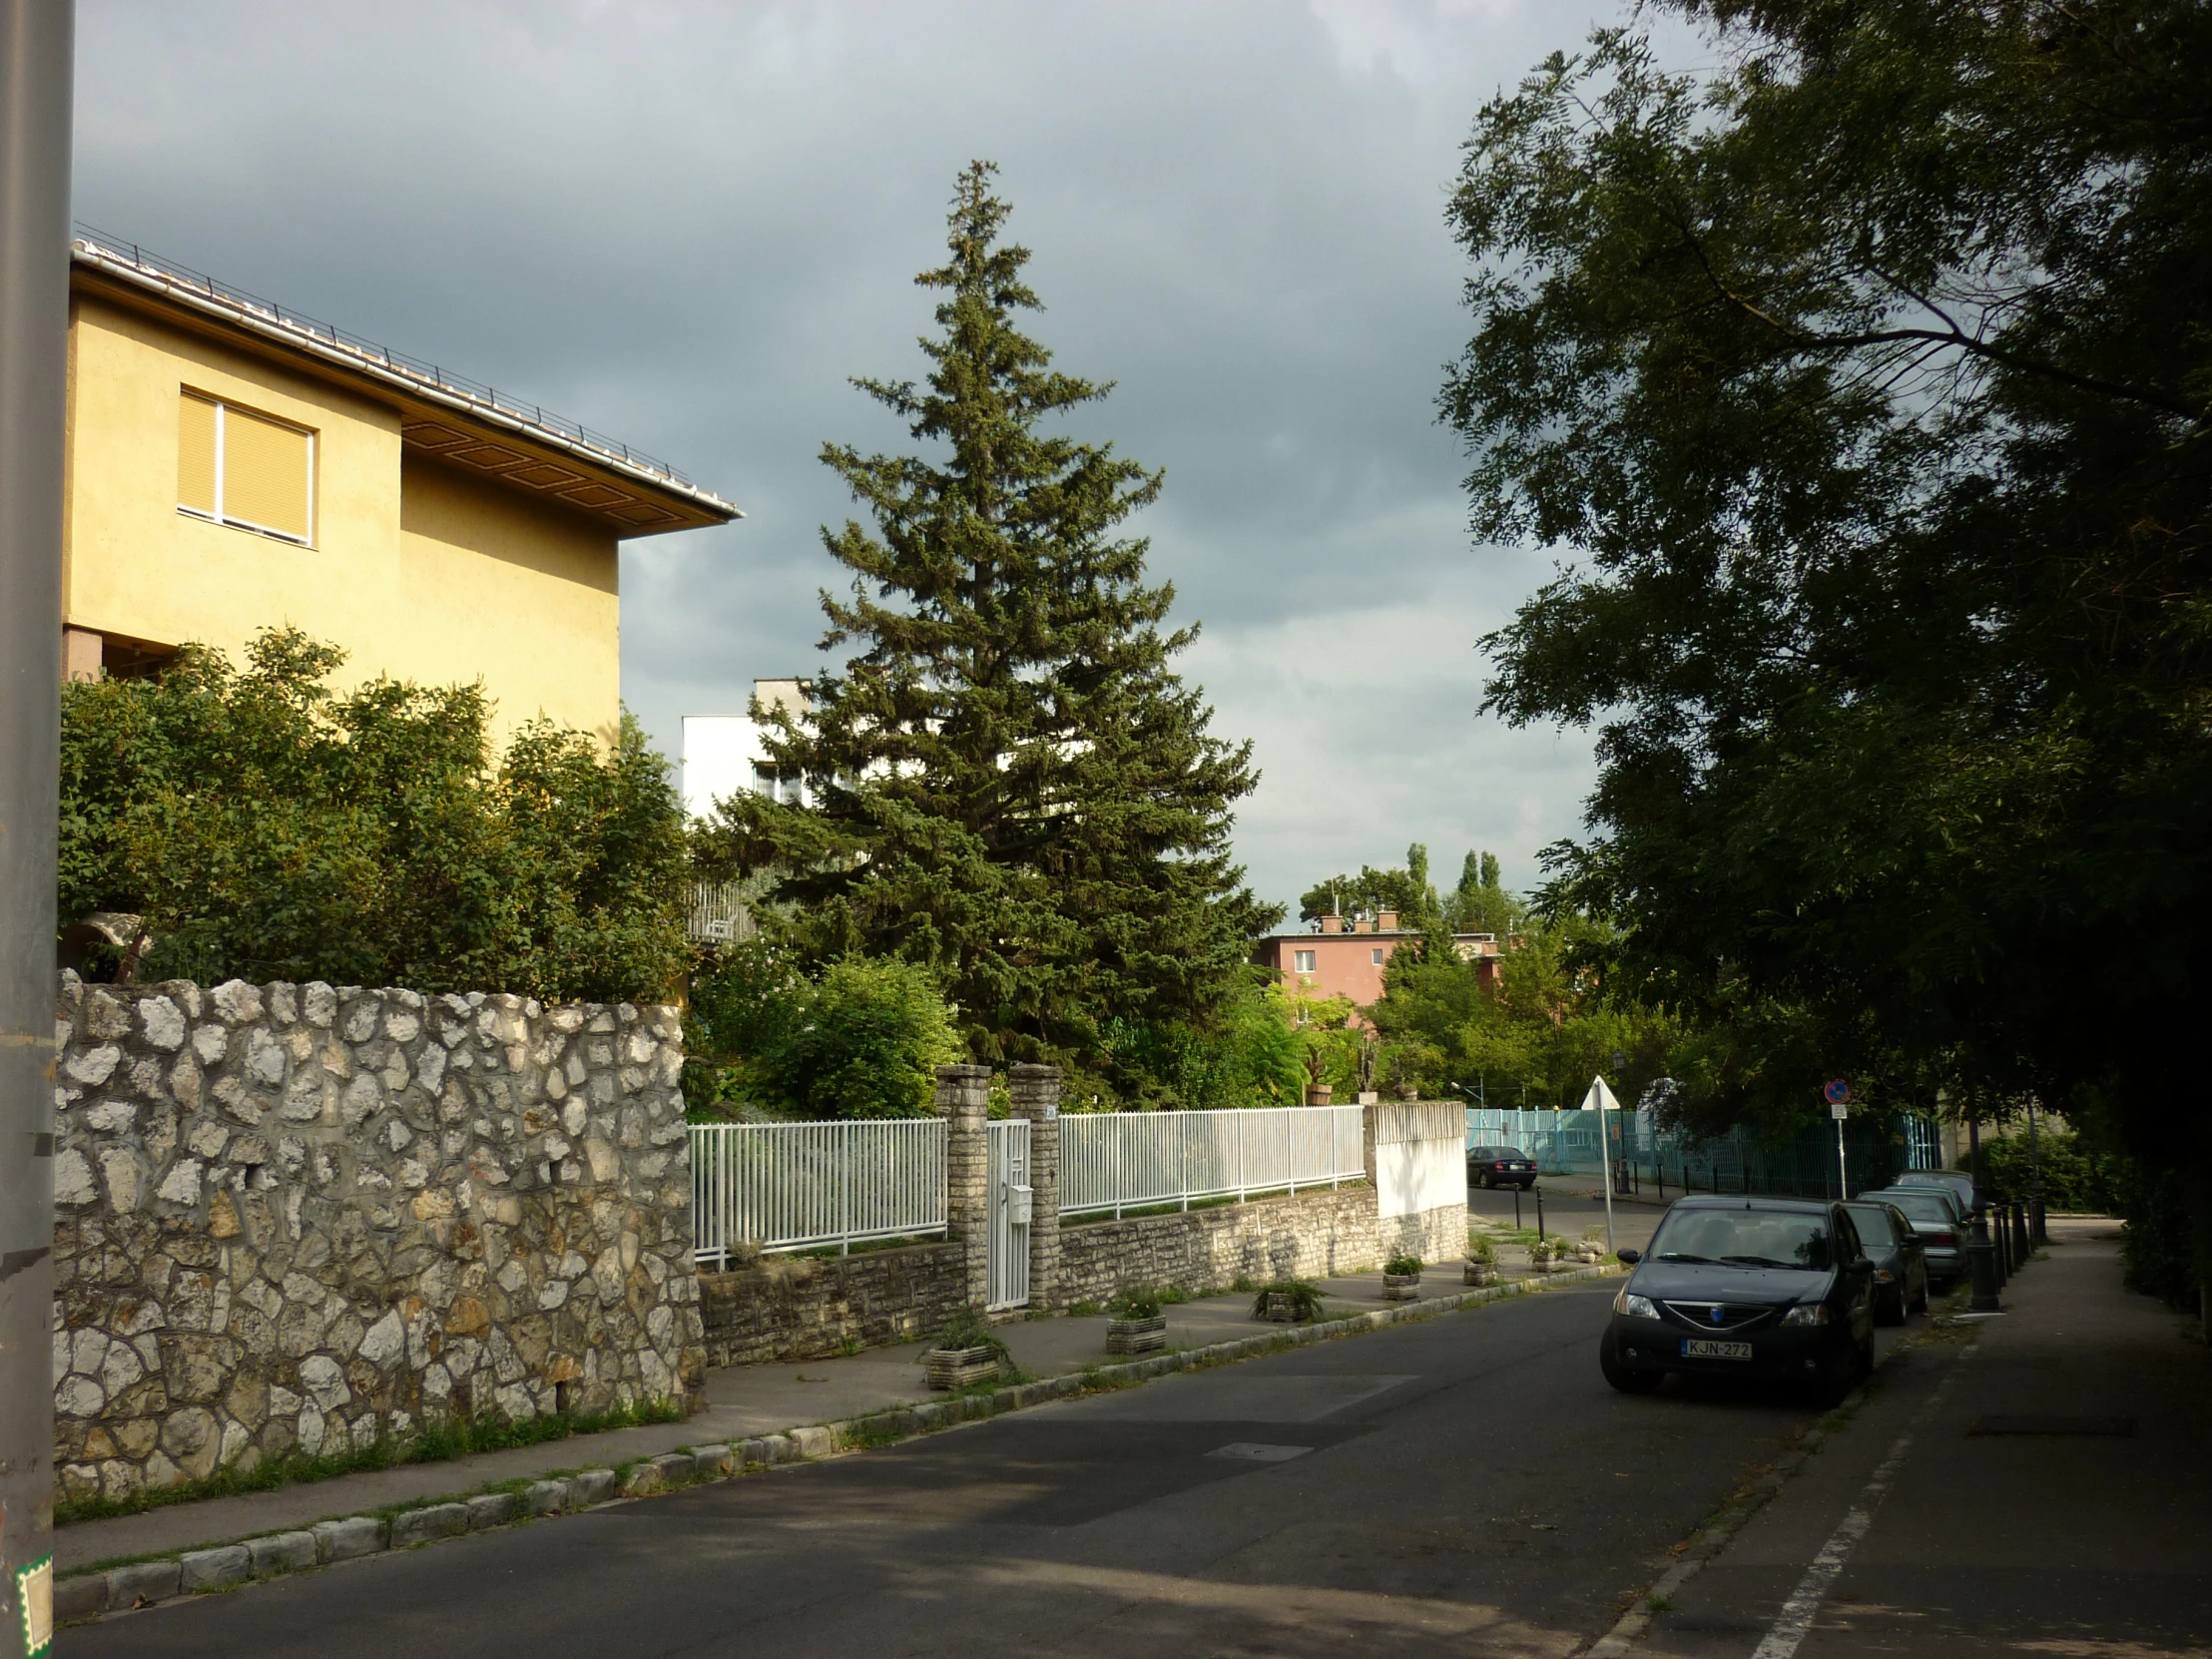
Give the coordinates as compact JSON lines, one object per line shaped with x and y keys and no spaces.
{"x":432,"y":1443}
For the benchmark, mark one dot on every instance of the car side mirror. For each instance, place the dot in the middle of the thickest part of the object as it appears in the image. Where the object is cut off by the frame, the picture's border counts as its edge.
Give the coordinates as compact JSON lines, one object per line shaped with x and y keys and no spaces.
{"x":1629,"y":1258}
{"x":1860,"y":1264}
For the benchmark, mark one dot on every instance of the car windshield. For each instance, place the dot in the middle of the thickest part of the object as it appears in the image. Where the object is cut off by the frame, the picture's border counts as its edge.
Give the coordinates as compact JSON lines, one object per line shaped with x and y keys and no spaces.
{"x":1511,"y":1152}
{"x":1744,"y":1238}
{"x":1924,"y":1205}
{"x":1873,"y":1224}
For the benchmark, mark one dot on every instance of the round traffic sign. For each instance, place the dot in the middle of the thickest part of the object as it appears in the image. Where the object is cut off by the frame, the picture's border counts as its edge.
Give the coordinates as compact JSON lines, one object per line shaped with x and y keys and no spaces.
{"x":1838,"y":1092}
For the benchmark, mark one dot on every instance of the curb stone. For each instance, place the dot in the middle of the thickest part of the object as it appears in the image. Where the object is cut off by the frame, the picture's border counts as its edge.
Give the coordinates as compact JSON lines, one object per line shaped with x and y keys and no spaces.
{"x":91,"y":1595}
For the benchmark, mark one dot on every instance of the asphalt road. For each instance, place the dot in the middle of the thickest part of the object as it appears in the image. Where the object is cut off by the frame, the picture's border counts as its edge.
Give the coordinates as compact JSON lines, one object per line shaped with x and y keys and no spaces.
{"x":1465,"y":1485}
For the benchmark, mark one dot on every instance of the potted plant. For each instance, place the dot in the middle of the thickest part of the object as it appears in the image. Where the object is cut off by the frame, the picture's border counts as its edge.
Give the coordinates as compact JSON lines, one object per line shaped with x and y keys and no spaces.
{"x":1139,"y":1324}
{"x":1481,"y":1267}
{"x":1539,"y":1255}
{"x":1288,"y":1302}
{"x":965,"y":1352}
{"x":1401,"y":1277}
{"x":1592,"y":1247}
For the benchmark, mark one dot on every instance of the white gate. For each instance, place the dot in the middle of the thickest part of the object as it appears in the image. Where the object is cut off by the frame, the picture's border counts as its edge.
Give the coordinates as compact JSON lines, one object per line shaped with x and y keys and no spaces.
{"x":1008,"y":1190}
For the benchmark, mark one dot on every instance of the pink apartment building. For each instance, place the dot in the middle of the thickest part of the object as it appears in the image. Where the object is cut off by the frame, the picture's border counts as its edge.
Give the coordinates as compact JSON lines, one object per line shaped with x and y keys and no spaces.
{"x":1346,"y":956}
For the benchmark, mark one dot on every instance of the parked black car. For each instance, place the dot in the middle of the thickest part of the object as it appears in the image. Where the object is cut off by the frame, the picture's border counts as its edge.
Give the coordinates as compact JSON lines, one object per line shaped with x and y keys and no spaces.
{"x":1900,"y":1259}
{"x":1776,"y":1289}
{"x":1500,"y":1166}
{"x":1934,"y":1213}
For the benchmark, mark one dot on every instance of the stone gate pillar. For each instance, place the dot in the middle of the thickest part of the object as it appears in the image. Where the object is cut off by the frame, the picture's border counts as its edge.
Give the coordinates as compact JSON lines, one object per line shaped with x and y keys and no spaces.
{"x":1036,"y":1092}
{"x":964,"y":1101}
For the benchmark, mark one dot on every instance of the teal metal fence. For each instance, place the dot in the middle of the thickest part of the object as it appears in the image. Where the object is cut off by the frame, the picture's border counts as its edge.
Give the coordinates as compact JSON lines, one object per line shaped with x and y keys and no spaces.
{"x":1876,"y":1150}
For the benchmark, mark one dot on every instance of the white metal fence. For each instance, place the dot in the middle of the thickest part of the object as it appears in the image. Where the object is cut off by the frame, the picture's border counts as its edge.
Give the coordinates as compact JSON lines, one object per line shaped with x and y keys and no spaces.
{"x":1134,"y":1160}
{"x":800,"y":1186}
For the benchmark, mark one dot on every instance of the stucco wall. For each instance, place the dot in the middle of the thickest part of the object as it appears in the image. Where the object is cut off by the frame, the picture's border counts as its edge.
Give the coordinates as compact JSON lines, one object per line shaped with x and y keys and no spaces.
{"x":474,"y":578}
{"x":305,"y":1215}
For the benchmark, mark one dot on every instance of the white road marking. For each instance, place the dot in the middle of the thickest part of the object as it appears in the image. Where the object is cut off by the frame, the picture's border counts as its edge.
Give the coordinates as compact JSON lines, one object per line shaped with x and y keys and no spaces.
{"x":1795,"y":1622}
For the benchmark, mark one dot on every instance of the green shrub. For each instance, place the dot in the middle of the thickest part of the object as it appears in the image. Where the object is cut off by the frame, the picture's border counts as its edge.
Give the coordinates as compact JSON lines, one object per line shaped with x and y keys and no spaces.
{"x":970,"y":1329}
{"x":1481,"y":1251}
{"x":1404,"y":1262}
{"x":861,"y":1041}
{"x":1136,"y":1304}
{"x":2074,"y":1176}
{"x":269,"y":827}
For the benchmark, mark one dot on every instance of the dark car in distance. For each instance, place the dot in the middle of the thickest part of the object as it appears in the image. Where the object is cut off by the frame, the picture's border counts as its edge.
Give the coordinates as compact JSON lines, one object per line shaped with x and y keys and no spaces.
{"x":1771,"y":1289}
{"x":1500,"y":1166}
{"x":1900,"y":1260}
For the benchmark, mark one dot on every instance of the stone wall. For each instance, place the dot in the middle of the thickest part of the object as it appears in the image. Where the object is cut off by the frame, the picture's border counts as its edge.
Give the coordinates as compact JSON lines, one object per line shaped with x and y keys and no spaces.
{"x":785,"y":1308}
{"x":302,"y":1217}
{"x":1312,"y":1235}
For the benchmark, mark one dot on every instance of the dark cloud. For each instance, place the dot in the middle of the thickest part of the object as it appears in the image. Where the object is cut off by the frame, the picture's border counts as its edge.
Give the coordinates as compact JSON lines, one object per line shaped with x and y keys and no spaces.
{"x":685,"y":224}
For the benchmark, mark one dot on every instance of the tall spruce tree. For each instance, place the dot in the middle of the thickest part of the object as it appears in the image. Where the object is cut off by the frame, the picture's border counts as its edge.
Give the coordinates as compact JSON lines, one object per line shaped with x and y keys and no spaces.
{"x":1007,"y":782}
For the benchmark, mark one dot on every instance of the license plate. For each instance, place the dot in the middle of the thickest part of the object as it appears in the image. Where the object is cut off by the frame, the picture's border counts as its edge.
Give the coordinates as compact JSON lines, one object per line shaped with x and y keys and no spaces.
{"x":1706,"y":1348}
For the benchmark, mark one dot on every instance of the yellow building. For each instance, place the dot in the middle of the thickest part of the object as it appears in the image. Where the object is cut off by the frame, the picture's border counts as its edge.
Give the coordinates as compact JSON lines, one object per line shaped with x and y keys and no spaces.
{"x":235,"y":466}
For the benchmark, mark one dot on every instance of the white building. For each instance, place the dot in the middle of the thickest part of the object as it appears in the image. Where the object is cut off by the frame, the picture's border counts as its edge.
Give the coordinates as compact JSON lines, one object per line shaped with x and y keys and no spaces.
{"x":723,"y":754}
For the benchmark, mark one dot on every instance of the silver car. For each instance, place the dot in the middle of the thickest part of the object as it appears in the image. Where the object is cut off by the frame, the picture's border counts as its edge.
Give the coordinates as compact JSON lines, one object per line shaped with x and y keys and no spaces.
{"x":1934,"y":1213}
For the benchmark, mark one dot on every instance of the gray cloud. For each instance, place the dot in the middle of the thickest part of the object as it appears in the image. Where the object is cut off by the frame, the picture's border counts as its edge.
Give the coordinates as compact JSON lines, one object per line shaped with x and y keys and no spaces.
{"x":685,"y":224}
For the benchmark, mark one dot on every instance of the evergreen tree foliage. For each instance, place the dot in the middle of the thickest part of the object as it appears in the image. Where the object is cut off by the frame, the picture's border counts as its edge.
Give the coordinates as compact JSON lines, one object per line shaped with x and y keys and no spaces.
{"x":1006,"y":781}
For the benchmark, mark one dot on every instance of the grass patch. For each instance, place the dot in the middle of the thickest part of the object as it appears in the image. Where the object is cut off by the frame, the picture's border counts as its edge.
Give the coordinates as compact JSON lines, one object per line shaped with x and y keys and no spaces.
{"x":435,"y":1443}
{"x":1659,"y":1603}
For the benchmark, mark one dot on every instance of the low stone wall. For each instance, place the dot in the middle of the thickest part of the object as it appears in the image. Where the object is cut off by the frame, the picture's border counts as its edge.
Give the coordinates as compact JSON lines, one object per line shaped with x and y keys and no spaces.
{"x":1314,"y":1235}
{"x":299,"y":1216}
{"x":809,"y":1308}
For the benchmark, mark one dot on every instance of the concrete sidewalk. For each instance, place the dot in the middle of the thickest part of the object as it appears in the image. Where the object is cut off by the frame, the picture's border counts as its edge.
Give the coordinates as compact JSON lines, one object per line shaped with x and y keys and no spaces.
{"x":2041,"y":1490}
{"x":741,"y":1402}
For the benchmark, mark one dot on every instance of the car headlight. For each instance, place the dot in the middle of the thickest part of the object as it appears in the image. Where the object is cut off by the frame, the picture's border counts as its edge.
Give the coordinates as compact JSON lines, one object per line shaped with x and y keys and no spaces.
{"x":1636,"y":1306}
{"x":1814,"y":1314}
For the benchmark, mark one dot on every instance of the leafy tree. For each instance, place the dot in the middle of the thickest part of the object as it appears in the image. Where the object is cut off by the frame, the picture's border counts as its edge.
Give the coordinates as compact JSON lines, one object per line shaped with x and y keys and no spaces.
{"x":862,"y":1040}
{"x":1547,"y":1026}
{"x":1007,"y":782}
{"x":1865,"y":379}
{"x":267,"y":827}
{"x":1406,"y":890}
{"x":1481,"y":904}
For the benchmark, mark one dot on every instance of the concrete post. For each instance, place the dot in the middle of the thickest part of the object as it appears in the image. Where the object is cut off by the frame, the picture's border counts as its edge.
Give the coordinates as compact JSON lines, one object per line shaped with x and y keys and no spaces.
{"x":964,"y":1101}
{"x":35,"y":88}
{"x":1036,"y":1092}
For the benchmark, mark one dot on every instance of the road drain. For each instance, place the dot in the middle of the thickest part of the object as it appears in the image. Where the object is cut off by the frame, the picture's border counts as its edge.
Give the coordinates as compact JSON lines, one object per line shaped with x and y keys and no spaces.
{"x":2115,"y":1427}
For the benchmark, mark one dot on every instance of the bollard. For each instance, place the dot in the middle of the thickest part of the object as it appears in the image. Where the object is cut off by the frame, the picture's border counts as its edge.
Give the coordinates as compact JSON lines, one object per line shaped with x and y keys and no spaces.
{"x":1982,"y":1260}
{"x":1539,"y":1215}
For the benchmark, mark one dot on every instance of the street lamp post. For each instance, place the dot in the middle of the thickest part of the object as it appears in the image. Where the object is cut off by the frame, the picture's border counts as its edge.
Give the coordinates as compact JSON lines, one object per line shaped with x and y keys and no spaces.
{"x":35,"y":86}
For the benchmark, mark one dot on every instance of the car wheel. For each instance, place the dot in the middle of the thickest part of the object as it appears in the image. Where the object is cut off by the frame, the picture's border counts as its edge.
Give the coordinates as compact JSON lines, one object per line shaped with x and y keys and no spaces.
{"x":1889,"y":1308}
{"x":1626,"y":1381}
{"x":1920,"y":1302}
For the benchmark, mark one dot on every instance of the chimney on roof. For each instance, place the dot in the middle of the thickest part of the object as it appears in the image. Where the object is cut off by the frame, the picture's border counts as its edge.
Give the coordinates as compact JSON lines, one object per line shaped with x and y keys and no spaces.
{"x":1387,"y":923}
{"x":1332,"y":924}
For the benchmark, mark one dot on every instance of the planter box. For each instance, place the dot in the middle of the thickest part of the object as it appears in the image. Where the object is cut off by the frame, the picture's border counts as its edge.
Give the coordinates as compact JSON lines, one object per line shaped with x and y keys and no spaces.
{"x":956,"y":1368}
{"x":1137,"y":1336}
{"x":1401,"y":1287}
{"x":1481,"y":1272}
{"x":1279,"y":1309}
{"x":1539,"y":1263}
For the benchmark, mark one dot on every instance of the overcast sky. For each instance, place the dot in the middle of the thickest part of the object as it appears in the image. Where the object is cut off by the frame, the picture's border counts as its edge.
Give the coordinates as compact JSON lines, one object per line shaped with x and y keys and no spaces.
{"x":685,"y":224}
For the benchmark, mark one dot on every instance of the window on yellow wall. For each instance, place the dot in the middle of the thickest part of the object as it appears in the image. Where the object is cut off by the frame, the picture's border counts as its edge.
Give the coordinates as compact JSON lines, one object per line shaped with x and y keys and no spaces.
{"x":239,"y":467}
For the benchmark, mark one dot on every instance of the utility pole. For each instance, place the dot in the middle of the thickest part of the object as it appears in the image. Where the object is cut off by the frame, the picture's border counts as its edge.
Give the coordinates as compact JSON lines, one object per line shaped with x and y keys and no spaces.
{"x":35,"y":52}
